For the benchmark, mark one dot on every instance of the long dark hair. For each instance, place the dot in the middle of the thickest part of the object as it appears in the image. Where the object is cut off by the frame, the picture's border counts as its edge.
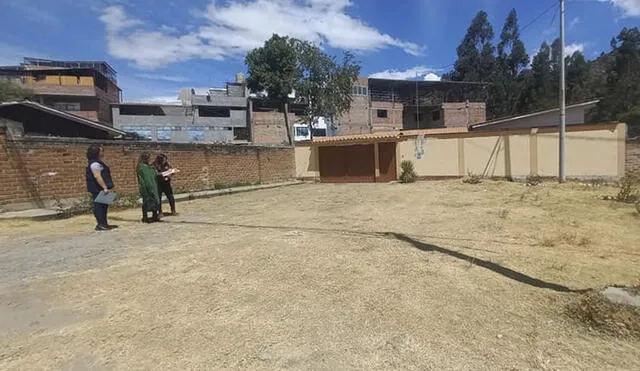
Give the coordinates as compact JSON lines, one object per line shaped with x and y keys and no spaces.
{"x":143,"y":159}
{"x":93,"y":153}
{"x":161,"y":162}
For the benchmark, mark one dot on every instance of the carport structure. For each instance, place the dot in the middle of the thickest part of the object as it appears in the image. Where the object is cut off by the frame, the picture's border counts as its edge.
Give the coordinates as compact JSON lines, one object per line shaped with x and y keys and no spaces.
{"x":363,"y":158}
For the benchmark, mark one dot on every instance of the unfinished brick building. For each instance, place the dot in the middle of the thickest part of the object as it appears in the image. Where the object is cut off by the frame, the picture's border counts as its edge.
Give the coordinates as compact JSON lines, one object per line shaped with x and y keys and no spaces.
{"x":83,"y":88}
{"x":381,"y":105}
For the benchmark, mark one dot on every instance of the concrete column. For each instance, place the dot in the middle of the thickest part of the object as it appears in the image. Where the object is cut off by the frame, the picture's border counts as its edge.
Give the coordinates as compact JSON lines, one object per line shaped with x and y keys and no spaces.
{"x":376,"y":159}
{"x":533,"y":152}
{"x":461,"y":161}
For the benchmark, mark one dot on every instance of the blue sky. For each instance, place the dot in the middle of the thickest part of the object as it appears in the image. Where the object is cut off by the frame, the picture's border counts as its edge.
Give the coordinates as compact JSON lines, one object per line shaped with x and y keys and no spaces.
{"x":160,"y":46}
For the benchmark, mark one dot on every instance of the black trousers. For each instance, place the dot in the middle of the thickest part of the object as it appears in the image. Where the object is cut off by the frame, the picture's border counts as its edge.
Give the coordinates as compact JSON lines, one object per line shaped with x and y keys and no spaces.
{"x":99,"y":210}
{"x":165,"y":187}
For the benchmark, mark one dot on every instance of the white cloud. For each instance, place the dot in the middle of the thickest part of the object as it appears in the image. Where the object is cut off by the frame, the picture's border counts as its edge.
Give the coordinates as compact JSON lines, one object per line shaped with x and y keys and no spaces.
{"x":238,"y":26}
{"x":574,"y":22}
{"x":572,"y":48}
{"x":417,"y":72}
{"x":13,"y":54}
{"x":168,"y":78}
{"x":631,"y":8}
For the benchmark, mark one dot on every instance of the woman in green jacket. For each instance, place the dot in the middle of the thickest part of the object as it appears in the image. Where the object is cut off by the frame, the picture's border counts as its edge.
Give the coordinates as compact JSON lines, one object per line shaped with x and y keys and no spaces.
{"x":148,"y":187}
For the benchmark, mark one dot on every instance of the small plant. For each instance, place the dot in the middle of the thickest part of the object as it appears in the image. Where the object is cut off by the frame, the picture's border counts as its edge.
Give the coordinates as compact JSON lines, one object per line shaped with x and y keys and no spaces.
{"x":629,"y":187}
{"x":408,"y":174}
{"x":472,"y":178}
{"x":533,"y":180}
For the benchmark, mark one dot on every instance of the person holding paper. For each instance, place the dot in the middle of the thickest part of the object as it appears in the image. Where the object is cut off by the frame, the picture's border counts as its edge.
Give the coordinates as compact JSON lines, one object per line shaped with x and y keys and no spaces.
{"x":148,"y":187}
{"x":98,"y":176}
{"x":164,"y":172}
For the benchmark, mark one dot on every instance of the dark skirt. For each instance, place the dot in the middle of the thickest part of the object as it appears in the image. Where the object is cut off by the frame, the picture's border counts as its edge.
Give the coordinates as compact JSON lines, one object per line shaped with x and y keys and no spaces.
{"x":150,"y":203}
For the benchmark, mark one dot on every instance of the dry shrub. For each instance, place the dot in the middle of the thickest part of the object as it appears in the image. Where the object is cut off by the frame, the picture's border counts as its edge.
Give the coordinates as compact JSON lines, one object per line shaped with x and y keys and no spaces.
{"x":629,"y":187}
{"x":595,"y":311}
{"x":533,"y":180}
{"x":472,"y":178}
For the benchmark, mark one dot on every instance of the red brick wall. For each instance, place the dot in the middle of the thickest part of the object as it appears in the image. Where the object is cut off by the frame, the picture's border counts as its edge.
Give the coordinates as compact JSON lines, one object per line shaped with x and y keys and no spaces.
{"x":42,"y":169}
{"x":633,"y":155}
{"x":392,"y":122}
{"x":268,"y":127}
{"x":455,"y":114}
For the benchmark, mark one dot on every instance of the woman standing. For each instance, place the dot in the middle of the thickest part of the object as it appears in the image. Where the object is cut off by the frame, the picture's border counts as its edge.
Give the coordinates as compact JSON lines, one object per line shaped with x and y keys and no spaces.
{"x":161,"y":165}
{"x":148,"y":187}
{"x":98,"y":176}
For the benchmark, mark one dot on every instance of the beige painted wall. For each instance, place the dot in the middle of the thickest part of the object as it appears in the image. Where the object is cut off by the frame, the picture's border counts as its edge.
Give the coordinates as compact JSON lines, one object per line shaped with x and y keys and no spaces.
{"x":597,"y":152}
{"x":439,"y":156}
{"x":307,"y":165}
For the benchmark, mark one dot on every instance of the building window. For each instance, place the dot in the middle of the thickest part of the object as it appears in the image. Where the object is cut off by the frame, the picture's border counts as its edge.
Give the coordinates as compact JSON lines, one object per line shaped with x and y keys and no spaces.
{"x":195,"y":133}
{"x":64,"y":106}
{"x":382,"y":113}
{"x":359,"y":90}
{"x":164,"y":133}
{"x":435,"y":115}
{"x":142,"y":132}
{"x":319,"y":132}
{"x":214,"y":112}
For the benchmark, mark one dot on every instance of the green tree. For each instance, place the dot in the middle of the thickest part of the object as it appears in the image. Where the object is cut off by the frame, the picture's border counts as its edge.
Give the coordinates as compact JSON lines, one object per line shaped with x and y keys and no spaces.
{"x":621,"y":98}
{"x":475,"y":52}
{"x":507,"y":76}
{"x":274,"y":68}
{"x":10,"y":91}
{"x":326,"y":84}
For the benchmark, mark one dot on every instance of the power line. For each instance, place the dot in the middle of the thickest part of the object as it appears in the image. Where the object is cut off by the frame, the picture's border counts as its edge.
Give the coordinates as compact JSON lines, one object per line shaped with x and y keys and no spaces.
{"x":537,"y":18}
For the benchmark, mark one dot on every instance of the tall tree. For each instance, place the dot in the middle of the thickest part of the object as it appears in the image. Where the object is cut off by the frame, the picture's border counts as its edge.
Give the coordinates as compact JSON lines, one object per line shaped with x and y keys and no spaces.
{"x":10,"y":91}
{"x":621,"y":100}
{"x":510,"y":62}
{"x":326,"y":84}
{"x":475,"y":52}
{"x":274,"y":68}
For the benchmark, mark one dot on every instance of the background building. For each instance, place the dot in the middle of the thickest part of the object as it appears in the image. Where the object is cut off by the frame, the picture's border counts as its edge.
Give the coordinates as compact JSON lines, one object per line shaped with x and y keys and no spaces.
{"x":83,"y":88}
{"x":381,"y":105}
{"x":212,"y":116}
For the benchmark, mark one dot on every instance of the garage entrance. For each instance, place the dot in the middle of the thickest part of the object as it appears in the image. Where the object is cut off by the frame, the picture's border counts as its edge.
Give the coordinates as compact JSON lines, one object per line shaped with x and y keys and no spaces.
{"x":357,"y":163}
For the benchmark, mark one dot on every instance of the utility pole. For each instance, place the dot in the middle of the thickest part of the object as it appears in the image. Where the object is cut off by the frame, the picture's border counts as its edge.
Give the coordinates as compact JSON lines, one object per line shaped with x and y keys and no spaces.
{"x":563,"y":123}
{"x":417,"y":105}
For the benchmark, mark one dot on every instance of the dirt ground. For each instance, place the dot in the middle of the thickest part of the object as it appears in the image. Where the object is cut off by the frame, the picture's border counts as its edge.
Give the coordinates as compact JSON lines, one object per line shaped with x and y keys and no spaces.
{"x":432,"y":275}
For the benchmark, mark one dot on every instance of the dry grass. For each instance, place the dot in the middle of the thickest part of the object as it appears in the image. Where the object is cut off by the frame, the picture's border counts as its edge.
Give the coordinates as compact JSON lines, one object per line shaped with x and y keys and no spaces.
{"x":599,"y":313}
{"x":430,"y":275}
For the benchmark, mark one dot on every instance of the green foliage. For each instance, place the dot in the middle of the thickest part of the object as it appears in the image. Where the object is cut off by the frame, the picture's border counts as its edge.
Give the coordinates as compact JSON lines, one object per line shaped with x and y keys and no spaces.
{"x":326,"y":84}
{"x":284,"y":65}
{"x":408,"y":174}
{"x":10,"y":91}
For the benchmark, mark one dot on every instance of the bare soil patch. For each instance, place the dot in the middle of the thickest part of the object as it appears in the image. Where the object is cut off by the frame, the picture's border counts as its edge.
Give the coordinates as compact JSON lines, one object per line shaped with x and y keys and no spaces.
{"x":429,"y":275}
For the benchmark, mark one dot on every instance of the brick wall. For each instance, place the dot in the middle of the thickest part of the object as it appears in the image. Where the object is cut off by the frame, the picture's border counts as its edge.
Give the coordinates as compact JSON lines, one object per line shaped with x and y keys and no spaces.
{"x":633,"y":155}
{"x":392,"y":122}
{"x":268,"y":127}
{"x":458,"y":114}
{"x":356,"y":120}
{"x":40,"y":169}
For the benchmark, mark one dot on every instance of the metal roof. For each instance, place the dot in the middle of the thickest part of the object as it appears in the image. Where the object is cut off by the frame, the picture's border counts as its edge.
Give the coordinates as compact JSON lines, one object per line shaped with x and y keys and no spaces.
{"x":514,"y":118}
{"x":66,"y":115}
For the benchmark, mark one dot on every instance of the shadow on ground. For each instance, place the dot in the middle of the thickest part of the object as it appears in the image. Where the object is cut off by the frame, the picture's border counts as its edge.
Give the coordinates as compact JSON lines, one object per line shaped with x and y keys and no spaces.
{"x":494,"y":267}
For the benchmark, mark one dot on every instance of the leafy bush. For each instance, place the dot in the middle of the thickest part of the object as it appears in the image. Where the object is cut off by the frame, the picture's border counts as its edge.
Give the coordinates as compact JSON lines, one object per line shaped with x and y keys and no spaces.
{"x":629,"y":187}
{"x":533,"y":180}
{"x":472,"y":178}
{"x":408,"y":174}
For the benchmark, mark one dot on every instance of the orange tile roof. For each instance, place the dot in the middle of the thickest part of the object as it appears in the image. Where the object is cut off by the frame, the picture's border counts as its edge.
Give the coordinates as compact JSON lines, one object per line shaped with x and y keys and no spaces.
{"x":358,"y":137}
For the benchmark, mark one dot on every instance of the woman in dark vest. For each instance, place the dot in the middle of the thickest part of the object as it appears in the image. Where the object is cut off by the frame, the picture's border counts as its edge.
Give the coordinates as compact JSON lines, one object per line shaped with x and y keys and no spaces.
{"x":98,"y":177}
{"x":161,"y":165}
